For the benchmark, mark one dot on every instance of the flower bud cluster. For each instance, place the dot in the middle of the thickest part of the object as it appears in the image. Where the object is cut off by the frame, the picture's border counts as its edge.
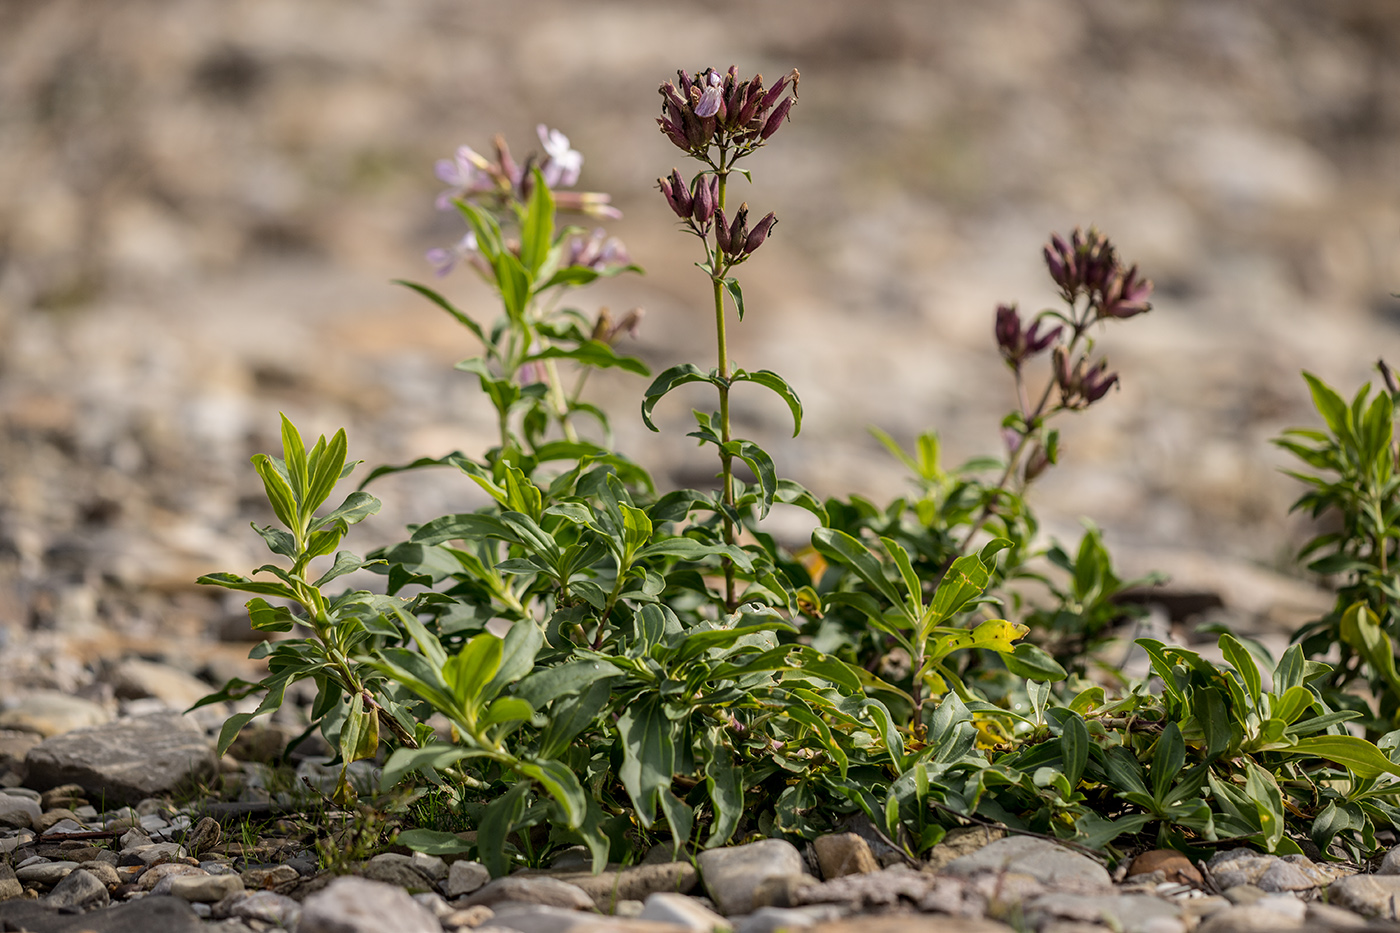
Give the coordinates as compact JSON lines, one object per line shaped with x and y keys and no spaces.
{"x":1017,"y":344}
{"x":735,"y":239}
{"x":695,"y":203}
{"x":1081,"y":385}
{"x":1088,"y":265}
{"x":719,"y":109}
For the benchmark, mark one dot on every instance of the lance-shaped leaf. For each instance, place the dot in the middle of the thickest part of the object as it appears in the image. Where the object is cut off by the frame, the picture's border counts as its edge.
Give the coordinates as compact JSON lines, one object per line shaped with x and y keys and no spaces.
{"x":771,"y":380}
{"x":841,"y":548}
{"x":684,"y":374}
{"x":593,"y":353}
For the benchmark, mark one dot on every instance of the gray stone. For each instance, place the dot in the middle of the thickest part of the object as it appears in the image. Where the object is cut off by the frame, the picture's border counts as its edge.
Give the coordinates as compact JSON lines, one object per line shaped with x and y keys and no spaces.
{"x":1259,"y":917}
{"x":125,"y":761}
{"x":1390,"y":865}
{"x":276,"y":876}
{"x":467,"y":917}
{"x":359,"y":905}
{"x":1239,"y":866}
{"x":50,"y":713}
{"x":14,"y":745}
{"x":397,"y":870}
{"x":1282,"y":876}
{"x":135,"y":678}
{"x":430,"y":865}
{"x":44,"y":873}
{"x":910,"y":923}
{"x":269,"y":908}
{"x":1332,"y":917}
{"x":844,"y":854}
{"x":539,"y":889}
{"x":1041,"y":859}
{"x":683,"y":911}
{"x":874,"y":889}
{"x":18,"y":812}
{"x":1370,"y":895}
{"x":464,"y":877}
{"x":79,"y":889}
{"x":435,"y":903}
{"x":164,"y":884}
{"x":1126,"y":913}
{"x":204,"y":835}
{"x":609,"y":888}
{"x":157,"y":853}
{"x":774,"y":919}
{"x":9,"y":884}
{"x":103,"y":871}
{"x":538,"y":918}
{"x":732,"y":875}
{"x":963,"y":840}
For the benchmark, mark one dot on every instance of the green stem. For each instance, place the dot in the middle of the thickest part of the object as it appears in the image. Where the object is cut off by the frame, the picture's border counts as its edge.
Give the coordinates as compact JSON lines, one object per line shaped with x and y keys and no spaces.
{"x":726,"y":460}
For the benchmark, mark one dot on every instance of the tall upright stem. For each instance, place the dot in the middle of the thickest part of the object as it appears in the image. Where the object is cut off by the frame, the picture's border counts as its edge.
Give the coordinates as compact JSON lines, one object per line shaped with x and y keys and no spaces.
{"x":726,"y":461}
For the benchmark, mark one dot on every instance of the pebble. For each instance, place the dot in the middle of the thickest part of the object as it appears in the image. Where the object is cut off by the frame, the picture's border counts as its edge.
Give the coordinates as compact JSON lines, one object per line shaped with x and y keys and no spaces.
{"x":49,"y":713}
{"x":1041,"y":859}
{"x":549,"y":892}
{"x":359,"y":905}
{"x":398,"y":870}
{"x":610,"y":887}
{"x":43,"y":872}
{"x":205,"y":888}
{"x":18,"y":812}
{"x":464,"y":877}
{"x":79,"y":888}
{"x":683,"y":912}
{"x":267,"y":907}
{"x":844,"y":854}
{"x":732,"y":876}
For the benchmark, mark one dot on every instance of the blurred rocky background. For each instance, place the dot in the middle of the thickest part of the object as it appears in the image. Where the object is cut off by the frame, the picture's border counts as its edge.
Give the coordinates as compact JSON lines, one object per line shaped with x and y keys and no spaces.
{"x":203,"y":202}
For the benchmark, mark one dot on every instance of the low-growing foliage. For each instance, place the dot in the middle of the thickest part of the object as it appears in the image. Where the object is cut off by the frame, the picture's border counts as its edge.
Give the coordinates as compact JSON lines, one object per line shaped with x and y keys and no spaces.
{"x":619,"y":665}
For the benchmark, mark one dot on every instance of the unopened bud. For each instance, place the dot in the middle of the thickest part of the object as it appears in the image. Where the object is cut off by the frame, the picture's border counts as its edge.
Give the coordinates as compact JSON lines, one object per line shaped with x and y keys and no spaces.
{"x":776,"y":118}
{"x":1037,"y":463}
{"x":759,"y":233}
{"x":1388,"y":376}
{"x":739,"y":232}
{"x":721,"y":230}
{"x":706,"y":199}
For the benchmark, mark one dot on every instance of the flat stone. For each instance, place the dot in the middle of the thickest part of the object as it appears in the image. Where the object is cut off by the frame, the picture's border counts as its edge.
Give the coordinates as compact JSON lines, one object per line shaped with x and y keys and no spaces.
{"x":1369,"y":895}
{"x":269,"y":908}
{"x":1252,"y":918}
{"x":539,"y":889}
{"x":45,"y":873}
{"x":685,"y":912}
{"x":14,"y":745}
{"x":359,"y":905}
{"x":608,"y":888}
{"x":79,"y":888}
{"x":67,"y":796}
{"x":875,"y":889}
{"x":733,"y":875}
{"x":125,"y":761}
{"x":159,"y":853}
{"x":1282,"y":876}
{"x":104,"y":872}
{"x":430,"y":865}
{"x":278,"y":875}
{"x":910,"y":923}
{"x":18,"y":812}
{"x":963,"y":840}
{"x":203,"y":836}
{"x":49,"y":713}
{"x":9,"y":884}
{"x":540,"y":918}
{"x":1043,"y":860}
{"x":399,"y":871}
{"x":841,"y":854}
{"x":166,"y":883}
{"x":467,"y":917}
{"x":51,"y":818}
{"x":1126,"y":913}
{"x":464,"y":877}
{"x":1239,"y":866}
{"x":775,"y":919}
{"x":159,"y":874}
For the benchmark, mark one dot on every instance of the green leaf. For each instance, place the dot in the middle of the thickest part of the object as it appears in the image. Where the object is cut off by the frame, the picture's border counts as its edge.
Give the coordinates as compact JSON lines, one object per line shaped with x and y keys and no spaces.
{"x":1260,"y":786}
{"x":447,"y":306}
{"x":561,"y":784}
{"x":725,"y":785}
{"x":570,"y":716}
{"x":648,"y":755}
{"x":841,"y":548}
{"x":1208,"y":705}
{"x":325,"y":472}
{"x":434,"y":757}
{"x":1239,"y":657}
{"x":266,"y":617}
{"x":964,"y":582}
{"x":1033,"y":663}
{"x":763,"y":468}
{"x":593,"y":353}
{"x":470,"y":670}
{"x":1330,"y":405}
{"x":680,"y":375}
{"x":1074,"y":748}
{"x":1169,"y":760}
{"x":279,"y":491}
{"x":294,"y":456}
{"x":433,"y":842}
{"x":518,"y":650}
{"x":731,"y":285}
{"x":771,"y":380}
{"x":356,"y":508}
{"x":230,"y":581}
{"x":547,"y":684}
{"x":1357,"y":755}
{"x":345,"y":562}
{"x":537,"y":229}
{"x":497,"y":822}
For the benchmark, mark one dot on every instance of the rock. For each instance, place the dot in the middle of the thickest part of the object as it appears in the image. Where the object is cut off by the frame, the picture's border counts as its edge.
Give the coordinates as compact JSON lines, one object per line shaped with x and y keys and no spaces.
{"x":1170,"y":864}
{"x":135,"y":678}
{"x":147,"y":915}
{"x":685,"y":912}
{"x":537,"y":889}
{"x":9,"y":884}
{"x":961,"y":841}
{"x":1283,"y":876}
{"x":732,"y":875}
{"x":1126,"y":913}
{"x":435,"y":903}
{"x":1370,"y":895}
{"x":608,"y":888}
{"x":79,"y":889}
{"x":66,"y":796}
{"x":467,"y":917}
{"x":18,"y":812}
{"x":775,"y":919}
{"x":464,"y":877}
{"x":539,"y":918}
{"x":166,"y":880}
{"x":1239,"y":866}
{"x":1043,"y":860}
{"x":360,"y":905}
{"x":125,"y":761}
{"x":1253,"y":918}
{"x":103,"y":872}
{"x":157,"y":853}
{"x":268,"y":908}
{"x":45,"y":873}
{"x":205,"y":834}
{"x":14,"y":745}
{"x":875,"y":889}
{"x":52,"y":818}
{"x":844,"y":854}
{"x":50,"y":713}
{"x":257,"y":878}
{"x":397,"y":870}
{"x":910,"y":923}
{"x":431,"y":865}
{"x":1390,"y":865}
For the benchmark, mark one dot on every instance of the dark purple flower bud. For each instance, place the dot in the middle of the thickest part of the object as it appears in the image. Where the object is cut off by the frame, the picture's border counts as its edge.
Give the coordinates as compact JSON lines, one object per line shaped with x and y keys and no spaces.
{"x":776,"y":91}
{"x":1388,"y":376}
{"x":739,"y":232}
{"x":1035,"y":342}
{"x":1008,"y":331}
{"x":759,"y":233}
{"x":686,"y":83}
{"x":748,"y":107}
{"x":1097,"y":382}
{"x":676,"y":193}
{"x":1125,"y":295}
{"x":1037,"y":463}
{"x":1060,"y":360}
{"x":775,"y":119}
{"x":705,"y":200}
{"x":721,"y":230}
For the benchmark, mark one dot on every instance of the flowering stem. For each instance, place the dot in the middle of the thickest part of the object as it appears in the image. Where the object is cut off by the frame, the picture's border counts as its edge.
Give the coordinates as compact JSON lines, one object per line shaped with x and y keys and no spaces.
{"x":726,"y":461}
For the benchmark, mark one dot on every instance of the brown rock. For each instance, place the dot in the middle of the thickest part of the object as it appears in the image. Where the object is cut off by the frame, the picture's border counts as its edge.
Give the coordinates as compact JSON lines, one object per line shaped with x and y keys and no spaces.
{"x":959,"y":842}
{"x":1174,"y":866}
{"x":844,"y":854}
{"x":66,"y":796}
